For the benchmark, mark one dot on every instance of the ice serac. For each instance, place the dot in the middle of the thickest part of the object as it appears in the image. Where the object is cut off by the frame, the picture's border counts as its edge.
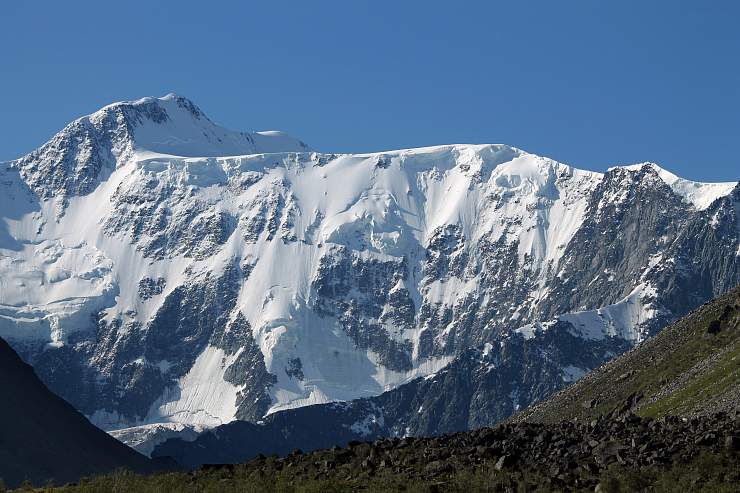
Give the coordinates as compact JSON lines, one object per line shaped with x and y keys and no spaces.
{"x":156,"y":268}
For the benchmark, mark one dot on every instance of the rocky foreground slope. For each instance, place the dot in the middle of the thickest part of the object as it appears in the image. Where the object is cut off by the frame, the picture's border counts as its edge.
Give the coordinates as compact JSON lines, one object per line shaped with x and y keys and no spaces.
{"x":43,"y":438}
{"x":616,"y":453}
{"x":158,"y":270}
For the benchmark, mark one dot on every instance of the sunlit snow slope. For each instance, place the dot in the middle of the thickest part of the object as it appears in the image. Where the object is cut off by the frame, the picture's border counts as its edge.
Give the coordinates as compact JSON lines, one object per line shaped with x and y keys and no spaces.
{"x":155,"y":267}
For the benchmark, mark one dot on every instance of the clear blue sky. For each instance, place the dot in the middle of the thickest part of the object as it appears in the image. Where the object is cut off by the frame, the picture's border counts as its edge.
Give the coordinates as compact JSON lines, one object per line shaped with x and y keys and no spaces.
{"x":590,"y":83}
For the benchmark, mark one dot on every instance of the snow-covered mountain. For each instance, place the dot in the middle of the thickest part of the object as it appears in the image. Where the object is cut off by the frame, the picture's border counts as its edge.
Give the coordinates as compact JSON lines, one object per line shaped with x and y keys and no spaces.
{"x":157,"y":268}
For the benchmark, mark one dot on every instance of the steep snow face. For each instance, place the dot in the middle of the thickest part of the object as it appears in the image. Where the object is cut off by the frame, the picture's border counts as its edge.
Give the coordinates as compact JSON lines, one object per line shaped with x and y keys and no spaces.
{"x":629,"y":319}
{"x":173,"y":125}
{"x":155,"y":268}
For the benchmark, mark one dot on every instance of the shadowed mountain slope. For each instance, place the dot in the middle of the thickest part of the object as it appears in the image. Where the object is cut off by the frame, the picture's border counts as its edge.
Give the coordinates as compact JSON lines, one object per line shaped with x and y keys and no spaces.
{"x":42,"y":437}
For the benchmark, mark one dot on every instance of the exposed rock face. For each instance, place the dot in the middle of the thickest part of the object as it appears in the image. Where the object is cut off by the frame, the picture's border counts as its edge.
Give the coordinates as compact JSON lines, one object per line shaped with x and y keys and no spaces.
{"x":76,"y":158}
{"x":149,"y":287}
{"x":248,"y":370}
{"x":355,"y":290}
{"x":160,"y":268}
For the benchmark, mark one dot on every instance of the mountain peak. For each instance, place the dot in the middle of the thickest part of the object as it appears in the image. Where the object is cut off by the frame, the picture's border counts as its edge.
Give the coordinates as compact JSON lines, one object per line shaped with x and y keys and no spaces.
{"x":171,"y":95}
{"x":174,"y":125}
{"x":171,"y":125}
{"x":72,"y":162}
{"x":700,"y":195}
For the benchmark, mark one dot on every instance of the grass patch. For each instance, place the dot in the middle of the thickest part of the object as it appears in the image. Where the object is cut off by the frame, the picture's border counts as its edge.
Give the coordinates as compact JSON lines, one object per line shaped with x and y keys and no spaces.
{"x":724,"y":375}
{"x":653,"y":366}
{"x":712,"y":473}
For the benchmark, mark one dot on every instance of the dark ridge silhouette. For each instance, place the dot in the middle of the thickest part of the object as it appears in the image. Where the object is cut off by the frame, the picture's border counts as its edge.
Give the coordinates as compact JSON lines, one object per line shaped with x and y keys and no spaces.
{"x":42,"y":437}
